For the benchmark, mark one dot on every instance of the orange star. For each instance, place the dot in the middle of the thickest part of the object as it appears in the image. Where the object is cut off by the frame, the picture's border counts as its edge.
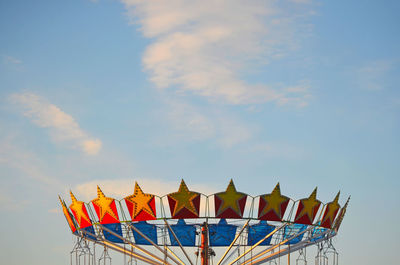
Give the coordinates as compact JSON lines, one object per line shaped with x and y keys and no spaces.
{"x":104,"y":204}
{"x":309,"y":205}
{"x":78,"y":208}
{"x":230,"y":199}
{"x":274,"y":201}
{"x":141,"y":201}
{"x":184,"y":199}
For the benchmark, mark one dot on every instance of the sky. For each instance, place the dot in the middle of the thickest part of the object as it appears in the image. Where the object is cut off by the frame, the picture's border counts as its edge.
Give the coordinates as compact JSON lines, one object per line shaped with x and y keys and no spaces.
{"x":107,"y":92}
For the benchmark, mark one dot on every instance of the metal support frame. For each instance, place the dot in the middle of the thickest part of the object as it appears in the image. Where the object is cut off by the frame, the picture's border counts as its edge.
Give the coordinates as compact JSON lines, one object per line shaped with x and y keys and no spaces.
{"x":233,"y":242}
{"x":302,"y":258}
{"x":282,"y":252}
{"x":258,"y":243}
{"x":154,"y":244}
{"x":326,"y":249}
{"x":114,"y":246}
{"x":82,"y":249}
{"x":179,"y":243}
{"x":126,"y":241}
{"x":105,"y":257}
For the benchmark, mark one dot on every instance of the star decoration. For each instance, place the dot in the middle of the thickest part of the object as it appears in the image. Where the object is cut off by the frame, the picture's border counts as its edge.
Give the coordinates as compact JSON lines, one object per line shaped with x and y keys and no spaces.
{"x":104,"y":205}
{"x":309,"y":208}
{"x":230,"y":200}
{"x":338,"y":221}
{"x":141,"y":201}
{"x":184,"y":199}
{"x":331,"y":211}
{"x":275,"y":202}
{"x":67,"y":215}
{"x":79,"y":210}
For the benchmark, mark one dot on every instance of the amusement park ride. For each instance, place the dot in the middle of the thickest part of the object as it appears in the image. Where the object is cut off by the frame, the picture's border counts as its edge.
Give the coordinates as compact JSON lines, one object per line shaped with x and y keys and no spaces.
{"x":188,"y":227}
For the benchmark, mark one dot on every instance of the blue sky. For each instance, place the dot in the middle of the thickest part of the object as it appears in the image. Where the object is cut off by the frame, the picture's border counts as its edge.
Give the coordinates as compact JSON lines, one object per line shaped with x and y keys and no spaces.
{"x":108,"y":92}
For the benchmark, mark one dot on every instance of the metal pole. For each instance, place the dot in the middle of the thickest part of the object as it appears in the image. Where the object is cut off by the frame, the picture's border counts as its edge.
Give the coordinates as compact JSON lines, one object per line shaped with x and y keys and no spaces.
{"x":204,"y":244}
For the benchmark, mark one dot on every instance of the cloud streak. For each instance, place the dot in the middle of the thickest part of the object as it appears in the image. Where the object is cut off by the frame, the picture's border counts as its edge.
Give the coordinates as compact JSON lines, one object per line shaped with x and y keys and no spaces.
{"x":199,"y":47}
{"x":11,"y":60}
{"x":62,"y":126}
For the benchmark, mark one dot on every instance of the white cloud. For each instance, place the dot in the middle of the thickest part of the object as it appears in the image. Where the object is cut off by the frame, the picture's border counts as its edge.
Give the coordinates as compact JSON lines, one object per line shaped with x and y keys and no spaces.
{"x":62,"y":126}
{"x":201,"y":46}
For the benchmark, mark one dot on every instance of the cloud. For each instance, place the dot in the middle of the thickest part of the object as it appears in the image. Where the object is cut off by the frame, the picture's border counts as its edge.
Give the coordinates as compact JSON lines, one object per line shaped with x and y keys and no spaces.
{"x":372,"y":75}
{"x":11,"y":60}
{"x":200,"y":47}
{"x":120,"y":188}
{"x":63,"y":128}
{"x":10,"y":204}
{"x":25,"y":161}
{"x":202,"y":123}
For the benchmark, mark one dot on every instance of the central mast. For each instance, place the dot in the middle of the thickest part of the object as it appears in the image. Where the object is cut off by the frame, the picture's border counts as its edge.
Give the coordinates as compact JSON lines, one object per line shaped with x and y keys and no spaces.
{"x":204,"y":244}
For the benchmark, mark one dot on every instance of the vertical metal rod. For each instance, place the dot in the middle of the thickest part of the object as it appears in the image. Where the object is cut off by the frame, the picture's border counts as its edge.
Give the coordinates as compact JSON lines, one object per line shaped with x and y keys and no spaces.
{"x":204,"y":244}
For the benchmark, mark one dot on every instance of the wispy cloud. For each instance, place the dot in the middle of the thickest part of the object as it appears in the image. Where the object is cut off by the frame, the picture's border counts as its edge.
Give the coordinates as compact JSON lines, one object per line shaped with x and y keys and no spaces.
{"x":26,"y":162}
{"x":11,"y":60}
{"x":199,"y":47}
{"x":63,"y":127}
{"x":371,"y":75}
{"x":12,"y":204}
{"x":192,"y":122}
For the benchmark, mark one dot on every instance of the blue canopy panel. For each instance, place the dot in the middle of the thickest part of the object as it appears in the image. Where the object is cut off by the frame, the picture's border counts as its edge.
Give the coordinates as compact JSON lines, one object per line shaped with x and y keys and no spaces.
{"x":221,"y":234}
{"x":89,"y":232}
{"x":186,"y":234}
{"x":148,"y":230}
{"x":116,"y":228}
{"x":317,"y":231}
{"x":258,"y":232}
{"x":292,"y":230}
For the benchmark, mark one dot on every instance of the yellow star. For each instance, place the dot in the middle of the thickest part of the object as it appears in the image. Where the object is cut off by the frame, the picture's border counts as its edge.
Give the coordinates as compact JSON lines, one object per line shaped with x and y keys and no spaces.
{"x":141,"y":201}
{"x":104,"y":204}
{"x":332,"y":208}
{"x":230,"y":199}
{"x":274,"y":201}
{"x":77,"y":208}
{"x":309,"y":205}
{"x":184,"y":199}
